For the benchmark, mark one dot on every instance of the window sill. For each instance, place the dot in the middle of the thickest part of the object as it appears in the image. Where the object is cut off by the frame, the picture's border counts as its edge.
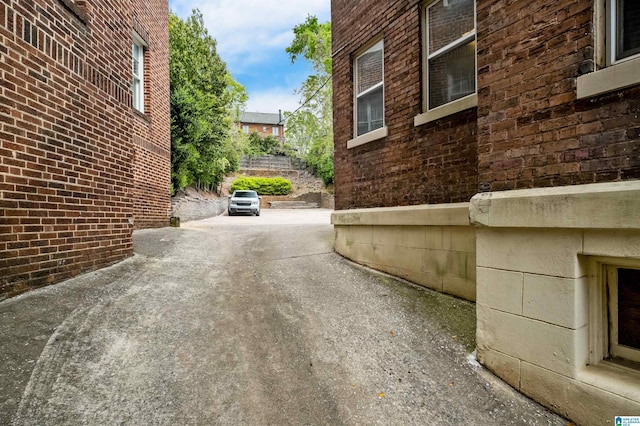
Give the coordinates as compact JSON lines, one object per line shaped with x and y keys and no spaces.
{"x":380,"y":133}
{"x":613,"y":378}
{"x":77,"y":8}
{"x":458,"y":105}
{"x":615,"y":77}
{"x":141,"y":115}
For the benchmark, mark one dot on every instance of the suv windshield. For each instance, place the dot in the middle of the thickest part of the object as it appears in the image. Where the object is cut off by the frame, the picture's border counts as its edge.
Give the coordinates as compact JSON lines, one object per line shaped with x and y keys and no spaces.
{"x":245,"y":194}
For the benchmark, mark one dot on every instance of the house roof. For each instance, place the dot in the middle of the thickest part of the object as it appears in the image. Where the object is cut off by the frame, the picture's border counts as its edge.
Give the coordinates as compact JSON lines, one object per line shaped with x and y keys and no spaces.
{"x":260,"y":118}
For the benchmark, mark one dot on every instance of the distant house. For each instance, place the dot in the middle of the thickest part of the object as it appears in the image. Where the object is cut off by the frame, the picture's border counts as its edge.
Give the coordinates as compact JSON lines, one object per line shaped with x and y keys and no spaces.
{"x":490,"y":149}
{"x":263,"y":123}
{"x":84,"y":135}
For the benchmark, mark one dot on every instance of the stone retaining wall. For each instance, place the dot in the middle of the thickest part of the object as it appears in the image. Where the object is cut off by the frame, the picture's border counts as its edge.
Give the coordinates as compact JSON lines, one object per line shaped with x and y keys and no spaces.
{"x":272,"y":162}
{"x":195,"y":206}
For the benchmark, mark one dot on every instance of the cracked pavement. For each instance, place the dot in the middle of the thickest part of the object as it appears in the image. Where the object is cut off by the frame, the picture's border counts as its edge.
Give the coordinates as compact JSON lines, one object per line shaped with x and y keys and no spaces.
{"x":246,"y":320}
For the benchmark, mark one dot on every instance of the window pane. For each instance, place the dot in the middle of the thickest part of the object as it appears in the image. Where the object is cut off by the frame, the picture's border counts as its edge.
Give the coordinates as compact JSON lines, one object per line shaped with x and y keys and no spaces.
{"x":136,"y":93}
{"x":448,"y":21}
{"x":629,"y":307}
{"x":369,"y":68}
{"x":370,"y":111}
{"x":628,"y":28}
{"x":452,"y":75}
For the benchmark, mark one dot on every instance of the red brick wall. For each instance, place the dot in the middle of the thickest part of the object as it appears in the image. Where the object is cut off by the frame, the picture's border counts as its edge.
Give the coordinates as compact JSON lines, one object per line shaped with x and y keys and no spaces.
{"x":532,"y":131}
{"x":152,"y":132}
{"x":70,"y":173}
{"x":527,"y":131}
{"x":259,"y":128}
{"x":432,"y":163}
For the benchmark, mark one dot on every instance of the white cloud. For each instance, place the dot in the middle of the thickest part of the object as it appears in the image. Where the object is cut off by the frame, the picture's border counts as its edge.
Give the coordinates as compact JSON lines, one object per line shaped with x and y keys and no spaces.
{"x":252,"y":36}
{"x":246,"y":29}
{"x":271,"y":100}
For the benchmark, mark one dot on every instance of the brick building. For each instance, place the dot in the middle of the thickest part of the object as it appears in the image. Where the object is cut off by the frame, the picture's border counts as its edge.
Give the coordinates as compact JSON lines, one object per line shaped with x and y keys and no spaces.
{"x":84,"y":134}
{"x":490,"y":149}
{"x":263,"y":123}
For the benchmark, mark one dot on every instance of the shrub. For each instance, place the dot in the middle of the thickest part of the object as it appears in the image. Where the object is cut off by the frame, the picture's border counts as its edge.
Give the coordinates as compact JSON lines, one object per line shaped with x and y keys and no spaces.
{"x":263,"y":186}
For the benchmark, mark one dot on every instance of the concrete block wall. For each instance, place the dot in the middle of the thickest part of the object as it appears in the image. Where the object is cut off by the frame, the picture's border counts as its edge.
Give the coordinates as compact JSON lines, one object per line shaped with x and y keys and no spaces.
{"x":433,"y":246}
{"x":537,"y":320}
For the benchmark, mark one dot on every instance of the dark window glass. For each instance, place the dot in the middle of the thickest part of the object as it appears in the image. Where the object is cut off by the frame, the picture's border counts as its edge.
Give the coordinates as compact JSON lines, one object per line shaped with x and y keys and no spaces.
{"x":629,"y":307}
{"x":628,"y":43}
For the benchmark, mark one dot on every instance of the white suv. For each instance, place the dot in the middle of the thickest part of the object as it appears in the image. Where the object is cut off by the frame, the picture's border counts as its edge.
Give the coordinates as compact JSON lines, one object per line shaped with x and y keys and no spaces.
{"x":244,"y":202}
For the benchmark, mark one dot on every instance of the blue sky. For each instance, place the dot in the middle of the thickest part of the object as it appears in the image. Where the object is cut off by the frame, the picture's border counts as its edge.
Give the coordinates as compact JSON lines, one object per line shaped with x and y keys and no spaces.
{"x":252,"y":36}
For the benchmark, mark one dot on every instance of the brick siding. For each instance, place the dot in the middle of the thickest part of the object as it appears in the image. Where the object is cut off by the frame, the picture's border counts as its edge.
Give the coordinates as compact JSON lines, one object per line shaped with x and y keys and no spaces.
{"x":73,"y":184}
{"x":532,"y":131}
{"x":434,"y":163}
{"x":264,"y":130}
{"x":527,"y":131}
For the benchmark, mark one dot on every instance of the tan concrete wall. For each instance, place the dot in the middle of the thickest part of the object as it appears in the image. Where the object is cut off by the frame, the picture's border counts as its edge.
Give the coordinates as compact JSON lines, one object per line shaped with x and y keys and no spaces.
{"x":433,"y":246}
{"x":537,"y":295}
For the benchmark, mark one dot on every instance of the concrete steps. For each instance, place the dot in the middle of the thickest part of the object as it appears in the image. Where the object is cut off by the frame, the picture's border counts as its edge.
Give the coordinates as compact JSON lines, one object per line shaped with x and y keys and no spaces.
{"x":292,"y":205}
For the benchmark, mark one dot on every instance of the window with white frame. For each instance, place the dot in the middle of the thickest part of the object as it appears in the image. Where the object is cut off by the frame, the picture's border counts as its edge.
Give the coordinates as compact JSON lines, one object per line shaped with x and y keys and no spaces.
{"x":623,"y":288}
{"x":369,"y":89}
{"x":137,"y":85}
{"x":450,"y":49}
{"x":245,"y":129}
{"x":623,"y":30}
{"x":617,"y":58}
{"x":614,"y":313}
{"x":275,"y":131}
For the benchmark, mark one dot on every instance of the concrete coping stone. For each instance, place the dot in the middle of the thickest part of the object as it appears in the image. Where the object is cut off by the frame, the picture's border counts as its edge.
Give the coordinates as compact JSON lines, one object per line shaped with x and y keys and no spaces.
{"x":455,"y":214}
{"x":614,"y":205}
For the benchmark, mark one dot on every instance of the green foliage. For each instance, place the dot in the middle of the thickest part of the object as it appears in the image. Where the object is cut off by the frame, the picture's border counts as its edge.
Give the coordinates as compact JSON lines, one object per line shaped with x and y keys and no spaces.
{"x":320,"y":158}
{"x":312,"y":40}
{"x":310,"y":128}
{"x":205,"y":101}
{"x":269,"y":145}
{"x":263,"y":186}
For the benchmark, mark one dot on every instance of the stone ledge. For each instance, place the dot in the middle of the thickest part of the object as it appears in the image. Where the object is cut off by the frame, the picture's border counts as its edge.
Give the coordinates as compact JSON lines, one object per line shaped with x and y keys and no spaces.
{"x":455,"y":214}
{"x":594,"y":206}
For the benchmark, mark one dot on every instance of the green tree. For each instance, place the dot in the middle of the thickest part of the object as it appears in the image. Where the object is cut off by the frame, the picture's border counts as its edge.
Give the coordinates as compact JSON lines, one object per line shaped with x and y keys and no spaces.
{"x":205,"y":103}
{"x":310,"y":128}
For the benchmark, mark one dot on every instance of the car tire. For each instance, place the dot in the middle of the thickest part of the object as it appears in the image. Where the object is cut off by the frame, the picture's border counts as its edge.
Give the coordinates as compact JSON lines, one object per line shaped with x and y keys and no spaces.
{"x":258,"y":213}
{"x":230,"y":214}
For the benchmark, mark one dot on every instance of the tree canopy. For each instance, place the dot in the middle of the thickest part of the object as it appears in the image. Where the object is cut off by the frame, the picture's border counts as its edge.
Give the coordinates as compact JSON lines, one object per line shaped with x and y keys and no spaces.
{"x":310,"y":128}
{"x":205,"y":102}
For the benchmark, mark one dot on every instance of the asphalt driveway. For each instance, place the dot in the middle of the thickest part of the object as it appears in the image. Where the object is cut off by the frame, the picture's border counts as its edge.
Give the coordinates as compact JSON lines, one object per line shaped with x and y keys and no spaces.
{"x":246,"y":320}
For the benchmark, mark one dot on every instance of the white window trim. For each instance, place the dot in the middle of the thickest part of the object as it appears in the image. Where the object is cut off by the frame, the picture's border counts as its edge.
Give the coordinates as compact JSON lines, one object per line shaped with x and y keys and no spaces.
{"x":600,"y":372}
{"x":374,"y":135}
{"x":612,"y":75}
{"x":617,"y":349}
{"x":616,"y":77}
{"x":381,"y":132}
{"x":457,"y":105}
{"x":275,"y":131}
{"x":137,"y":40}
{"x":447,"y":109}
{"x":612,"y":34}
{"x":603,"y":271}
